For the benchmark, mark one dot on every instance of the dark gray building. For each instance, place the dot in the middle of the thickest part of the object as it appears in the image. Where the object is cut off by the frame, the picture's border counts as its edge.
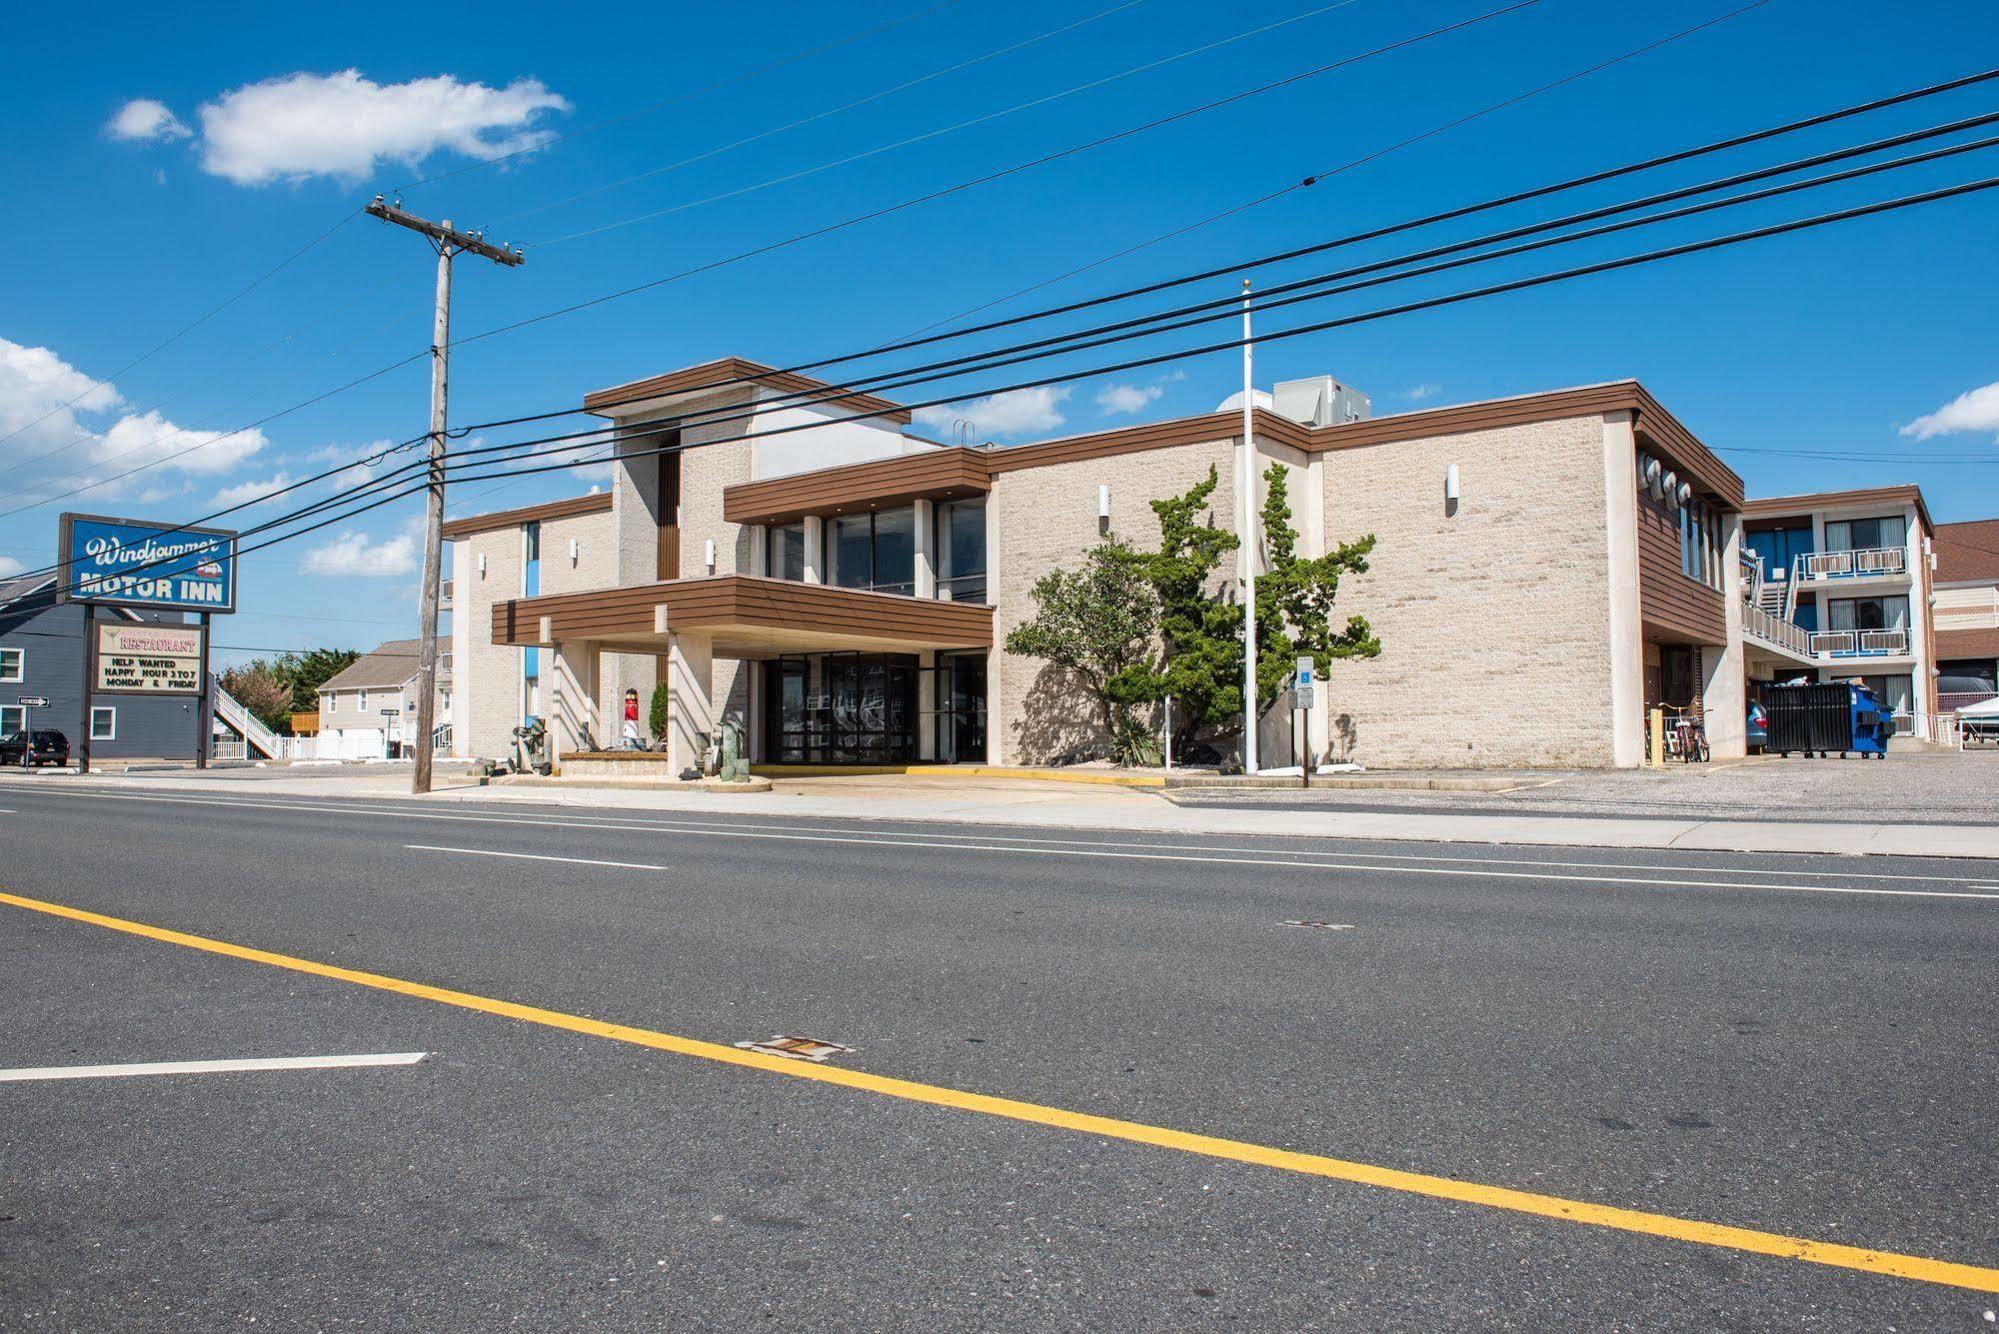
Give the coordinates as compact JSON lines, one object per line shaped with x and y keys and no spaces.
{"x":41,"y":657}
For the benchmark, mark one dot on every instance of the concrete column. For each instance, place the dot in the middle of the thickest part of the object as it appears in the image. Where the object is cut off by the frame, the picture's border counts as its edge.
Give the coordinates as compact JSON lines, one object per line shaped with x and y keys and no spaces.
{"x":815,"y":549}
{"x":1627,"y":634}
{"x":692,"y":712}
{"x":926,"y":700}
{"x":926,"y":549}
{"x":995,"y":657}
{"x":569,"y":681}
{"x":1725,"y":687}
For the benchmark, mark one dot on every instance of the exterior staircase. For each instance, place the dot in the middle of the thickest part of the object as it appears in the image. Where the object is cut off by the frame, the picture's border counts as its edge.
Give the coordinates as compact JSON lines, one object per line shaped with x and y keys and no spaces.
{"x":256,"y":737}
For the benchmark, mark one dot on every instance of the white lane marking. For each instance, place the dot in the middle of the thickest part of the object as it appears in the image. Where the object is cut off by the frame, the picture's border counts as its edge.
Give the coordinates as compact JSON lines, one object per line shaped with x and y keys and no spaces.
{"x":1160,"y":856}
{"x":208,"y":1067}
{"x":931,"y":840}
{"x":538,"y":857}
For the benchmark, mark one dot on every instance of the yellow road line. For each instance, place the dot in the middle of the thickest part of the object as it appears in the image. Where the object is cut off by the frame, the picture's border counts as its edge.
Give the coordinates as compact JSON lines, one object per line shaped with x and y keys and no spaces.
{"x":1916,"y":1267}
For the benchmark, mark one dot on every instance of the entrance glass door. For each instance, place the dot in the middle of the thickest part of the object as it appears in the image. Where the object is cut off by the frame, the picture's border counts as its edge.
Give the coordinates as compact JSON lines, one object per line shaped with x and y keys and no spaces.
{"x":841,"y":708}
{"x":960,"y":734}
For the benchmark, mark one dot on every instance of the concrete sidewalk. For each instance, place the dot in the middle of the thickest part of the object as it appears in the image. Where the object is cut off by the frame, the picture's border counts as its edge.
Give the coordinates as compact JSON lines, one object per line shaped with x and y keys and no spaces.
{"x":1029,"y":804}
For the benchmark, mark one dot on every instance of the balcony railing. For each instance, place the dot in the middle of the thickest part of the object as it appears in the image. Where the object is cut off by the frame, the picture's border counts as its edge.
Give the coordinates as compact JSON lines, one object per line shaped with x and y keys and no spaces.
{"x":444,"y":595}
{"x":1774,"y":630}
{"x":1857,"y":564}
{"x":1859,"y":643}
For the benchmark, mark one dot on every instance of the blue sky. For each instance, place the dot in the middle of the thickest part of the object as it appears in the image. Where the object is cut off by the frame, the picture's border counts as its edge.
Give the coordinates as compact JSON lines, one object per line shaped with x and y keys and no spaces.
{"x":271,"y":124}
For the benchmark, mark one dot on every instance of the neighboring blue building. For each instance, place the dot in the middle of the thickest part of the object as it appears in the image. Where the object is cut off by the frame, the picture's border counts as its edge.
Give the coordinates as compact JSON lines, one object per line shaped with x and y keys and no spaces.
{"x":42,"y":655}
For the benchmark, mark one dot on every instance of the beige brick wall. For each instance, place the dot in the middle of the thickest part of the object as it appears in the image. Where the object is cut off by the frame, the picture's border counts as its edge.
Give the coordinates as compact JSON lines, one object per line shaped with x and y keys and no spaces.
{"x":486,"y":678}
{"x":1495,"y":622}
{"x":703,"y":474}
{"x":1044,"y":518}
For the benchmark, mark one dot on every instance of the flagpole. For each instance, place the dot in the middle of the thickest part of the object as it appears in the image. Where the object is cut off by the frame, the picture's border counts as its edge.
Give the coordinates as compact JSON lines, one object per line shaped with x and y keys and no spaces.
{"x":1246,"y":552}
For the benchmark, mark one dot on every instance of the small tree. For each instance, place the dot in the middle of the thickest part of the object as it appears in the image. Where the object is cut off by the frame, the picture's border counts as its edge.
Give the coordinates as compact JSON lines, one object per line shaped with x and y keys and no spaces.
{"x":1099,"y":624}
{"x":1295,"y":594}
{"x":306,"y":672}
{"x":658,"y":713}
{"x":1202,"y":666}
{"x":259,"y":689}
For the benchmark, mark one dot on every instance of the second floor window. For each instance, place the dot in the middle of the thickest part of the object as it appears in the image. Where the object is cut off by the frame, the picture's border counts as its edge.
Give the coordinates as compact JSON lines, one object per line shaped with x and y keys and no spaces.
{"x":875,"y":551}
{"x":13,"y":665}
{"x":961,"y":551}
{"x":1865,"y":534}
{"x":784,"y":551}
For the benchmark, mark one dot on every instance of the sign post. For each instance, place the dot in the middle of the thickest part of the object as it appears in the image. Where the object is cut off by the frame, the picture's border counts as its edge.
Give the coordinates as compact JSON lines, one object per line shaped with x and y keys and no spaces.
{"x":1305,"y":669}
{"x":89,"y":670}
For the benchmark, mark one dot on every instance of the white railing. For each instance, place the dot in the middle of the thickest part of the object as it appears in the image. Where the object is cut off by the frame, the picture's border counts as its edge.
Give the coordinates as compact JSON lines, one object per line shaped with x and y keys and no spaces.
{"x":1854,"y":564}
{"x":1859,"y":643}
{"x":1780,"y":633}
{"x":232,"y":712}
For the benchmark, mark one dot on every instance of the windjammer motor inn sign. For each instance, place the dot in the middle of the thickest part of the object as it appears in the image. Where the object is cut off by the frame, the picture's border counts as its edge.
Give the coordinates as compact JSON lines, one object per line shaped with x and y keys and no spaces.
{"x":131,"y":563}
{"x":148,"y":659}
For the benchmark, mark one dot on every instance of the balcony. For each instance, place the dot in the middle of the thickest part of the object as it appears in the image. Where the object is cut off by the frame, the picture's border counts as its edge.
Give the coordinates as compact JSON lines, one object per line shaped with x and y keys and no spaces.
{"x":1860,"y":644}
{"x":1861,"y":563}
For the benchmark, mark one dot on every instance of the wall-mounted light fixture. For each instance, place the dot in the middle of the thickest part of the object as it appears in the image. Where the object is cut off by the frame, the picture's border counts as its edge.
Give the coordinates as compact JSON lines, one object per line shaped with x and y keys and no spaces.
{"x":482,"y":565}
{"x":708,"y":554}
{"x":1451,"y":490}
{"x":1103,"y":509}
{"x":572,"y":551}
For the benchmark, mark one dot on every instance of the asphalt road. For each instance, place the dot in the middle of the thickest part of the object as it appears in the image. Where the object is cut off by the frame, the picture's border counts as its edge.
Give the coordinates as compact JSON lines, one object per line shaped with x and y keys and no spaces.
{"x":1801,"y":1047}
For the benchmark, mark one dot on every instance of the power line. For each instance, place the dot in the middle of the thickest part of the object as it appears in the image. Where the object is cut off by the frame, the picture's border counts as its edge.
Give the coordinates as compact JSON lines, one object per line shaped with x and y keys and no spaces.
{"x":825,"y":114}
{"x":862,"y":156}
{"x":1354,"y":238}
{"x":1430,"y":303}
{"x":838,"y":391}
{"x":1308,"y":182}
{"x":690,"y":95}
{"x":960,"y":186}
{"x":175,"y":337}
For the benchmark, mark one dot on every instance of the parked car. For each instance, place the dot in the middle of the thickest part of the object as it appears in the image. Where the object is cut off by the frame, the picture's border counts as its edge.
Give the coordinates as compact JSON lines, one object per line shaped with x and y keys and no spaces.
{"x":44,"y":745}
{"x":1757,"y":732}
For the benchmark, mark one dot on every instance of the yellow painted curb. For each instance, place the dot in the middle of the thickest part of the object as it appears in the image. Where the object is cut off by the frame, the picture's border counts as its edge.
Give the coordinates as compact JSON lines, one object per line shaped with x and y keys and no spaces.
{"x":1100,"y":777}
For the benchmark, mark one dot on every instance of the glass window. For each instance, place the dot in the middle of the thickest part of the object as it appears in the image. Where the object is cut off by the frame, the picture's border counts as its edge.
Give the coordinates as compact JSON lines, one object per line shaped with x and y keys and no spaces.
{"x":13,"y":666}
{"x":895,"y":551}
{"x":1869,"y":613}
{"x":784,"y":551}
{"x":961,"y":551}
{"x":103,"y":724}
{"x":13,"y":718}
{"x":852,"y":544}
{"x":1865,"y":534}
{"x":875,"y":551}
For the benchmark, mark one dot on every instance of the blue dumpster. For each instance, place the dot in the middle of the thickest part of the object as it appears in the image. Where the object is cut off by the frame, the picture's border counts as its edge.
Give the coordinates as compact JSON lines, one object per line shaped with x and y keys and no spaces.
{"x":1830,"y":718}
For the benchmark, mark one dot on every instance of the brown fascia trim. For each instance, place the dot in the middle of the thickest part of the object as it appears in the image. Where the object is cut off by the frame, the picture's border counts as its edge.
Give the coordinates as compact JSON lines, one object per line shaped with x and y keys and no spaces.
{"x":1877,"y":495}
{"x":728,"y":600}
{"x":730,"y":372}
{"x":593,"y":503}
{"x":931,"y":474}
{"x":782,"y":499}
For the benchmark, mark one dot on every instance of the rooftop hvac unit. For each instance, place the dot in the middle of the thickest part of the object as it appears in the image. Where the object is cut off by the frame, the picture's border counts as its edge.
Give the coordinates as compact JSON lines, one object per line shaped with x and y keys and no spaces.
{"x":1320,"y":401}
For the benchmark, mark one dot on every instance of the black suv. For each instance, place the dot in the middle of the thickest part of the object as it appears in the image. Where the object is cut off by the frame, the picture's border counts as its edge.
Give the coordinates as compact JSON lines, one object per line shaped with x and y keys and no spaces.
{"x":44,"y":745}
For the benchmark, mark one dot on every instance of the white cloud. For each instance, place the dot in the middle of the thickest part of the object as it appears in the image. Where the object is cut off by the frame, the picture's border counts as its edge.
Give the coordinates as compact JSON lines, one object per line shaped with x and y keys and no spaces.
{"x":1423,"y":391}
{"x":353,"y":474}
{"x":244,"y":492}
{"x":9,"y":567}
{"x":1126,"y":398}
{"x":1974,"y":410}
{"x":144,"y":121}
{"x":358,"y":554}
{"x":1009,"y":413}
{"x":148,"y":439}
{"x":345,"y":125}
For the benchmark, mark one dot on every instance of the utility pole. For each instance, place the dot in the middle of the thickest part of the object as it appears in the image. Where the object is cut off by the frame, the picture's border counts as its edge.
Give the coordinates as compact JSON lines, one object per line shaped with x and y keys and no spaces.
{"x":1246,"y":551}
{"x":448,"y":242}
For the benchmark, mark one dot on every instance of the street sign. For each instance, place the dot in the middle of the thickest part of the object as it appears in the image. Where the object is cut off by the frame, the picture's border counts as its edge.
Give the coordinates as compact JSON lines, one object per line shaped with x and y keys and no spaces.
{"x":392,"y":713}
{"x":149,"y":659}
{"x":34,"y":701}
{"x":1302,"y":697}
{"x":1304,"y":669}
{"x":132,"y":563}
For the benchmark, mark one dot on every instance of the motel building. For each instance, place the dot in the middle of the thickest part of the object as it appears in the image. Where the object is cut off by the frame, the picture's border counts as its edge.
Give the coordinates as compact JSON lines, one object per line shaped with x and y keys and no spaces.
{"x":1547,"y":569}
